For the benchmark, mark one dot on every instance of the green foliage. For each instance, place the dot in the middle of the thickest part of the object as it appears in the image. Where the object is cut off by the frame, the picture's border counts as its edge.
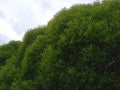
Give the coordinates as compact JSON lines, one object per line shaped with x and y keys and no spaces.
{"x":8,"y":50}
{"x":79,"y":49}
{"x":31,"y":35}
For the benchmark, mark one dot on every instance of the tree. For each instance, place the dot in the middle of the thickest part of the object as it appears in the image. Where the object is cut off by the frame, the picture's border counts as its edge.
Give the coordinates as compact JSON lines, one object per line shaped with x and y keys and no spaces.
{"x":79,"y":49}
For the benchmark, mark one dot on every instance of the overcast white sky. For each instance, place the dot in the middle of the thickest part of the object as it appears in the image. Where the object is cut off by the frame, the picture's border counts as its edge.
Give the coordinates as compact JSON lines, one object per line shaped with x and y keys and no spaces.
{"x":17,"y":16}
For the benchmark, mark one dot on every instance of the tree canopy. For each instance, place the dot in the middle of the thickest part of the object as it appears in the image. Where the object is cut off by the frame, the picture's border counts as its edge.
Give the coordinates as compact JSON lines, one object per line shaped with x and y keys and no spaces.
{"x":79,"y":49}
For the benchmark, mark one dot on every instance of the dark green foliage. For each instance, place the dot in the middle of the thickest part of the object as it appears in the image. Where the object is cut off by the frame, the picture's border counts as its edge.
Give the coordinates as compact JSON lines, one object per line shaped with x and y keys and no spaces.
{"x":79,"y":49}
{"x":31,"y":35}
{"x":8,"y":50}
{"x":8,"y":67}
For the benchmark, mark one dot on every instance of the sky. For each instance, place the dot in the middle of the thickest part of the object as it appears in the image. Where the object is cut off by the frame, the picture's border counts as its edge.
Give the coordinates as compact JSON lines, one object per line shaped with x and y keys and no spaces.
{"x":18,"y":16}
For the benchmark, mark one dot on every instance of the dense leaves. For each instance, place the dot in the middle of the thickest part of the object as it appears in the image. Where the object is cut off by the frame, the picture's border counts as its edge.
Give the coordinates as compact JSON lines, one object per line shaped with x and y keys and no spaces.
{"x":79,"y":49}
{"x":8,"y":50}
